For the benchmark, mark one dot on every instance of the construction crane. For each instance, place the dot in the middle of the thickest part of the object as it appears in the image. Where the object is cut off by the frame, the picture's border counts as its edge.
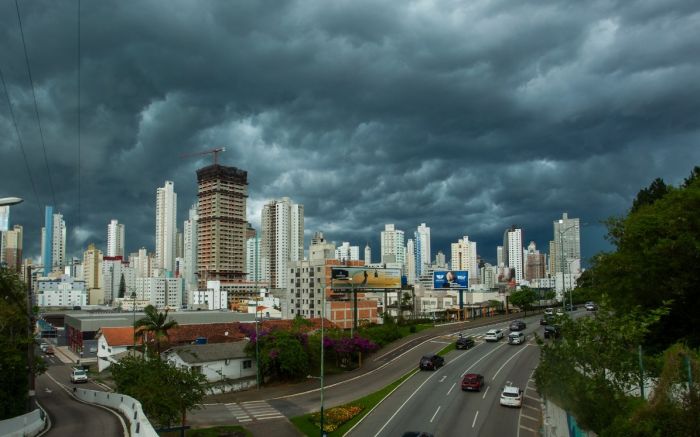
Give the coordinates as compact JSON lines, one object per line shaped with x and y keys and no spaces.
{"x":214,"y":152}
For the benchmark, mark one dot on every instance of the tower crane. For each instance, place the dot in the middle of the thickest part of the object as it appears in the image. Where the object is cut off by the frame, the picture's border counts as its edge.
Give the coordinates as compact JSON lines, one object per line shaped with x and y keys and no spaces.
{"x":214,"y":152}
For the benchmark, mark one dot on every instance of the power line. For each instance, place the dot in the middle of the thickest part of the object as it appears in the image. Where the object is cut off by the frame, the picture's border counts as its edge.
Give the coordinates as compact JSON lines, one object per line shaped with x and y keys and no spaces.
{"x":19,"y":139}
{"x":79,"y":57}
{"x":36,"y":106}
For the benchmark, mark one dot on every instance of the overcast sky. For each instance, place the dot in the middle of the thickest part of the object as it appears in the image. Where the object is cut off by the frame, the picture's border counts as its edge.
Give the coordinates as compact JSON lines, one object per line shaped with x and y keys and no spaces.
{"x":469,"y":116}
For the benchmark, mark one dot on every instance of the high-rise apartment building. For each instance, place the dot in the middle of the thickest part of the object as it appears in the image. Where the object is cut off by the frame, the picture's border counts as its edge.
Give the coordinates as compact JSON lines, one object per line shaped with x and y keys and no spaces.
{"x":282,"y":238}
{"x":535,"y":265}
{"x":115,"y":239}
{"x":411,"y":256}
{"x":346,"y":252}
{"x":221,"y":224}
{"x":113,"y":269}
{"x":253,"y":263}
{"x":422,"y":248}
{"x":499,"y":256}
{"x":393,"y":248}
{"x":368,"y":255}
{"x":12,"y":248}
{"x":53,"y":241}
{"x":567,"y":240}
{"x":513,"y":250}
{"x":440,"y":260}
{"x":92,"y":275}
{"x":464,"y":258}
{"x":166,"y":228}
{"x":189,"y":255}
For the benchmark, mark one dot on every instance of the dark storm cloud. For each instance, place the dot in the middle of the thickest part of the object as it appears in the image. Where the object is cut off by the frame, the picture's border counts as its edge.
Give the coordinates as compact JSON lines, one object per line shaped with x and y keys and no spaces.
{"x":468,"y":116}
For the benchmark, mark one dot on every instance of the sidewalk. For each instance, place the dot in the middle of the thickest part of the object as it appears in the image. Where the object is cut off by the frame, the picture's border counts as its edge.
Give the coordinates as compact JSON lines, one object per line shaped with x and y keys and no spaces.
{"x":67,"y":356}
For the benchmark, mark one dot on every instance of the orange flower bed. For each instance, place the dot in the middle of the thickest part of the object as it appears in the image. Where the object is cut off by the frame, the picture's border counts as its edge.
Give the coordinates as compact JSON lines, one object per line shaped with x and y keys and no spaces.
{"x":334,"y":417}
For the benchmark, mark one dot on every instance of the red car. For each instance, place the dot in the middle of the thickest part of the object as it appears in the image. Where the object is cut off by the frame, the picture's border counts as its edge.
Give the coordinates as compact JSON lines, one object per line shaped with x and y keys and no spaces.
{"x":472,"y":381}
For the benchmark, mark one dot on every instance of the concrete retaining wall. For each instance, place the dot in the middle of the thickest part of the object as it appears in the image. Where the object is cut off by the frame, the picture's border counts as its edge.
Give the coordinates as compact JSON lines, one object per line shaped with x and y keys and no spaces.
{"x":130,"y":407}
{"x":29,"y":424}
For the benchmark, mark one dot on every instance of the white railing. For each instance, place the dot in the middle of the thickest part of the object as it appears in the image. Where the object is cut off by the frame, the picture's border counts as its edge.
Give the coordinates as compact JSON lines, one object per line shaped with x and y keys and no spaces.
{"x":130,"y":407}
{"x":29,"y":424}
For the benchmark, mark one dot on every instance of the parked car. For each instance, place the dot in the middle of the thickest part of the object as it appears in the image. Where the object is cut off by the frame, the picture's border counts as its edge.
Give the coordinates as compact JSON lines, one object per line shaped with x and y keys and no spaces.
{"x":493,"y":335}
{"x":43,"y":347}
{"x":517,"y":337}
{"x":49,"y":350}
{"x":591,"y":306}
{"x":570,"y":307}
{"x":472,"y":381}
{"x":551,"y":331}
{"x":549,"y":311}
{"x":78,"y":375}
{"x":560,"y":312}
{"x":511,"y":396}
{"x":431,"y":362}
{"x":464,"y":343}
{"x":517,"y":325}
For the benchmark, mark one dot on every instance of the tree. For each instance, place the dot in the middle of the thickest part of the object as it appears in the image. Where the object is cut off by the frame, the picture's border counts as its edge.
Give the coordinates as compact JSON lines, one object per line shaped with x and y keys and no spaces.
{"x":523,"y":298}
{"x":647,"y":196}
{"x":14,"y":383}
{"x":155,"y":323}
{"x":122,"y":286}
{"x":590,"y":381}
{"x":656,"y":248}
{"x":165,"y":392}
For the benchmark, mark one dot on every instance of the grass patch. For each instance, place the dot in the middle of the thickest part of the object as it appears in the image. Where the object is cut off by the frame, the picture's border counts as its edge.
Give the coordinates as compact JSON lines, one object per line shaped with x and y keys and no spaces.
{"x":215,"y":431}
{"x":447,"y":349}
{"x":307,"y":427}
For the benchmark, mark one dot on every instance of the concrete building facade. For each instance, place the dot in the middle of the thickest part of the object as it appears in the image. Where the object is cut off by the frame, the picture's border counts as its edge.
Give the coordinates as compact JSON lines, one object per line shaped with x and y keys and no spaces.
{"x":166,"y":228}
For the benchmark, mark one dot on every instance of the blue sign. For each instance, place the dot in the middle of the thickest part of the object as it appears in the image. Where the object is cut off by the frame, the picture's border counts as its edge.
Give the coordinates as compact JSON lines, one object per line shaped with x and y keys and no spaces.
{"x":457,"y":279}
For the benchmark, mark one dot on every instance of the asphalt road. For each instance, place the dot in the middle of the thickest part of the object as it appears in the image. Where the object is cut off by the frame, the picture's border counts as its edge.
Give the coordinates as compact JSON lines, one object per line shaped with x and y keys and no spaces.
{"x":432,"y":401}
{"x":70,"y":417}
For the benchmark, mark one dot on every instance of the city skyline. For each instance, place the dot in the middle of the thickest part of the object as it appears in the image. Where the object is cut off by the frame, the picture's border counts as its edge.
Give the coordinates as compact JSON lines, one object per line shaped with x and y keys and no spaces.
{"x":366,"y":116}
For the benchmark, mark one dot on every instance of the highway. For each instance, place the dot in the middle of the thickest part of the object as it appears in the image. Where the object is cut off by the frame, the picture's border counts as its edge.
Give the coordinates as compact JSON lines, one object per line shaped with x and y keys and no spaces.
{"x":70,"y":417}
{"x":432,"y":401}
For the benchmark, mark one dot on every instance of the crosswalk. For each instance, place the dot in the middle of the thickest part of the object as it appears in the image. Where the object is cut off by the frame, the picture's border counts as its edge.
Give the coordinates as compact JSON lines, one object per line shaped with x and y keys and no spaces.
{"x":253,"y":410}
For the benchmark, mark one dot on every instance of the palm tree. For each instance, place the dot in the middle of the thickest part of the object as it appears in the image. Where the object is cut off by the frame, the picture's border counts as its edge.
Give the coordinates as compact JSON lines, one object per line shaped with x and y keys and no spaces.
{"x":156,"y":323}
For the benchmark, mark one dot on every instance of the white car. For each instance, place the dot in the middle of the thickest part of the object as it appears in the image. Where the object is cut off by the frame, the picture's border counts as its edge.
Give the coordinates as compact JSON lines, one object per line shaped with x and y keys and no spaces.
{"x":78,"y":375}
{"x":493,"y":335}
{"x":43,"y":347}
{"x":548,"y":311}
{"x":511,"y":396}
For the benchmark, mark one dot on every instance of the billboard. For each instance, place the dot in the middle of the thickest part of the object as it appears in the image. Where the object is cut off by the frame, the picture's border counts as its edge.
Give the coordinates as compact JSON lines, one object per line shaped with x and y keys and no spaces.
{"x":364,"y":278}
{"x":458,"y":279}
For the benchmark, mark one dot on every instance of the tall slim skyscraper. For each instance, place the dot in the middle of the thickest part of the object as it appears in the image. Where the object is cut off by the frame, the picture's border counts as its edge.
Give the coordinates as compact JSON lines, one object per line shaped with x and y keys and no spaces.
{"x":513,"y":250}
{"x":411,"y":256}
{"x":422,"y":249}
{"x":346,"y":252}
{"x":567,"y":240}
{"x":92,"y":275}
{"x":166,"y":227}
{"x":115,"y":239}
{"x":464,"y":258}
{"x":253,"y":262}
{"x":12,"y":248}
{"x":368,"y":255}
{"x":221,"y":224}
{"x":53,"y":241}
{"x":282,"y":238}
{"x":189,"y":241}
{"x":535,"y":266}
{"x":393,"y":249}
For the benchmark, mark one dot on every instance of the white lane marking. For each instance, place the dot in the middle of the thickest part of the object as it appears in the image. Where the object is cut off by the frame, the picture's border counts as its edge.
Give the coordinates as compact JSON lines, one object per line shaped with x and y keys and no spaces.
{"x":441,"y":342}
{"x":533,"y":398}
{"x":382,"y":400}
{"x":529,"y":429}
{"x":508,"y":361}
{"x":531,"y":407}
{"x":487,"y":390}
{"x":436,"y":411}
{"x":404,"y":404}
{"x":520,"y":413}
{"x":475,"y":416}
{"x":477,"y":362}
{"x":453,"y":386}
{"x":443,"y":378}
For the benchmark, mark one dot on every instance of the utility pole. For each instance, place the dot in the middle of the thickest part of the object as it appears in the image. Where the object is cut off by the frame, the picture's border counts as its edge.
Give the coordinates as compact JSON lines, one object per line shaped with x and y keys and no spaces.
{"x":31,"y":404}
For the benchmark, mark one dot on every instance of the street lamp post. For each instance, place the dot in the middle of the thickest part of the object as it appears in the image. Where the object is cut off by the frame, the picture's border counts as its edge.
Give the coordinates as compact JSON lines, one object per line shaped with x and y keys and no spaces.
{"x":257,"y":344}
{"x":323,"y":318}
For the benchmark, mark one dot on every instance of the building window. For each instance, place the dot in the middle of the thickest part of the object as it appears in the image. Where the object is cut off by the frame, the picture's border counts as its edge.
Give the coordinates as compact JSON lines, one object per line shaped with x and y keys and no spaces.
{"x":197,"y":369}
{"x":247,"y":364}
